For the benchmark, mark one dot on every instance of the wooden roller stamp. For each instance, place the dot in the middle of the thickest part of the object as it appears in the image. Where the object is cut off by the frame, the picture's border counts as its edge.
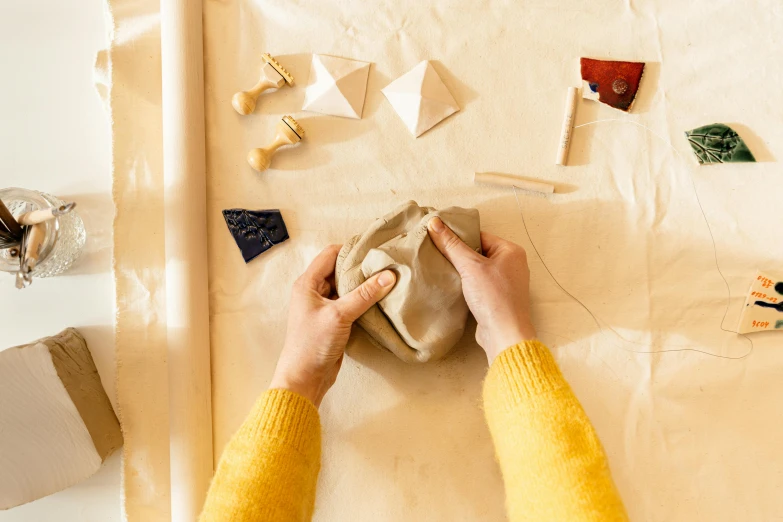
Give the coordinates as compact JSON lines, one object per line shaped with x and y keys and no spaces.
{"x":289,"y":132}
{"x":273,"y":76}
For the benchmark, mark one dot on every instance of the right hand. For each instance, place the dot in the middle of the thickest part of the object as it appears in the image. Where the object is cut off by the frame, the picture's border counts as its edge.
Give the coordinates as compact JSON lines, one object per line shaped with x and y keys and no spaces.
{"x":496,"y":286}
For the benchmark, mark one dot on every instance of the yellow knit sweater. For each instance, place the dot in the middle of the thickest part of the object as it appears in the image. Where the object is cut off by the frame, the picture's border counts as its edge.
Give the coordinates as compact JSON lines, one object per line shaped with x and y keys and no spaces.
{"x":553,"y":465}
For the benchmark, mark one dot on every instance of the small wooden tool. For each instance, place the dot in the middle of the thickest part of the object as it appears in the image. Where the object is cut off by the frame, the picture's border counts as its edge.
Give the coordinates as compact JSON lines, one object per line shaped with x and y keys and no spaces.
{"x":568,"y":127}
{"x":39,"y":216}
{"x":289,"y":132}
{"x":273,"y":76}
{"x":503,"y":180}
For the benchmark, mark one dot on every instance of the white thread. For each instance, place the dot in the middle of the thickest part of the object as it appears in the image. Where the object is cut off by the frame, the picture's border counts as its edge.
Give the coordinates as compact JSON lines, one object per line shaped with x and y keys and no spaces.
{"x":714,"y":250}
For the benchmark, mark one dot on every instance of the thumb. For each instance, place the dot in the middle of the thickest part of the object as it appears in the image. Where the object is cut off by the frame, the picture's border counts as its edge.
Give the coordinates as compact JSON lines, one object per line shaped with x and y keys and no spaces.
{"x":361,"y":298}
{"x":450,"y":245}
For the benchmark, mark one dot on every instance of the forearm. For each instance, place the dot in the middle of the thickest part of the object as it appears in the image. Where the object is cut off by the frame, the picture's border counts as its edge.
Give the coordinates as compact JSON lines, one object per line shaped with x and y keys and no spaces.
{"x":553,"y":465}
{"x":270,"y":468}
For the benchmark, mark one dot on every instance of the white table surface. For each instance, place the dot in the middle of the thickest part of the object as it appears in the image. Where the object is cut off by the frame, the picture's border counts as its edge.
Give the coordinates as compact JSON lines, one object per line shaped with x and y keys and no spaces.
{"x":55,"y":137}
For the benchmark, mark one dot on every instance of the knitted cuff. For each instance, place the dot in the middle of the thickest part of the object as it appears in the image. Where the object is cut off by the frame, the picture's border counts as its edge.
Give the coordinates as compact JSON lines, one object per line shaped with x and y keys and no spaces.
{"x":288,"y":417}
{"x":521,"y":373}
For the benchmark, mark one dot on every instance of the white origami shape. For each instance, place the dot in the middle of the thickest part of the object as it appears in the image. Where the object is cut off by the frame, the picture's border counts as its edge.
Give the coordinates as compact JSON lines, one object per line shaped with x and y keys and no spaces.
{"x":336,"y":86}
{"x":420,"y":98}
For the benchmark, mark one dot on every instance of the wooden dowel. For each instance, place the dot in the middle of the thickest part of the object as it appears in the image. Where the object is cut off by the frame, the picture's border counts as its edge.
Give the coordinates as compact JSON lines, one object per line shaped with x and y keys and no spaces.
{"x":185,"y":225}
{"x":503,"y":180}
{"x":567,"y":127}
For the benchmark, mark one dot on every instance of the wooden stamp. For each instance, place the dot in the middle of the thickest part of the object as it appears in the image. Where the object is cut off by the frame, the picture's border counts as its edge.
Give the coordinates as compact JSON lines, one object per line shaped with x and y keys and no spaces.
{"x":289,"y":132}
{"x":273,"y":76}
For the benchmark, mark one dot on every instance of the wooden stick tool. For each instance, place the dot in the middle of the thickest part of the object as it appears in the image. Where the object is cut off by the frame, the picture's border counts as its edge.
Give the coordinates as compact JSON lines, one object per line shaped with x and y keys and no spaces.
{"x":273,"y":76}
{"x":504,"y":180}
{"x":289,"y":132}
{"x":568,"y":126}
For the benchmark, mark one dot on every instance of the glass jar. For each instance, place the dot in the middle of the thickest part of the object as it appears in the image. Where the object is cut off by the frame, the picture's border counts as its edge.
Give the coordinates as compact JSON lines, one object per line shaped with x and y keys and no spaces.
{"x":64,"y":239}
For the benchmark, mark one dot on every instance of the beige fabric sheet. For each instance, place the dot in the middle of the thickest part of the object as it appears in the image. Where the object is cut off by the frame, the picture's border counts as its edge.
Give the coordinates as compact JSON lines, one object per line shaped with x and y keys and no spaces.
{"x":689,"y":437}
{"x":129,"y":80}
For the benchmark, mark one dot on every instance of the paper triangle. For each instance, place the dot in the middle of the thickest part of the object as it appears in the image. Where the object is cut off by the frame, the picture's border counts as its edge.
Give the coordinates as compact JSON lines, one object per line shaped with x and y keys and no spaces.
{"x":353,"y":86}
{"x":420,"y":98}
{"x":411,"y":81}
{"x":433,"y":88}
{"x":331,"y":101}
{"x":432,"y":112}
{"x":407,"y":106}
{"x":337,"y":86}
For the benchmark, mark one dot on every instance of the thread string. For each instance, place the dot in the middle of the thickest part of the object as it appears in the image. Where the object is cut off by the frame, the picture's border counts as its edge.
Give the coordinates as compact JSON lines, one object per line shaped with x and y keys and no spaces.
{"x":714,"y":251}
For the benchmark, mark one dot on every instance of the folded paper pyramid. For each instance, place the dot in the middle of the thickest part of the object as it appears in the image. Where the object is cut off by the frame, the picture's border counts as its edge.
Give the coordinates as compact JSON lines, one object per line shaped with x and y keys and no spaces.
{"x":337,"y":86}
{"x":420,"y":98}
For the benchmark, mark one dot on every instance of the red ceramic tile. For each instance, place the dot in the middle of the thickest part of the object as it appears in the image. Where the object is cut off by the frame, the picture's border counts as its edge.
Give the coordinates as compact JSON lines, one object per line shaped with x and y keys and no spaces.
{"x":610,"y":82}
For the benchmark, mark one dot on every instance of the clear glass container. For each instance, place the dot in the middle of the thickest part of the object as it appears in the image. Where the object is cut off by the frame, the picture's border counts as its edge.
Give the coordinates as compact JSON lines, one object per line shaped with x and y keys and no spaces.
{"x":65,"y":235}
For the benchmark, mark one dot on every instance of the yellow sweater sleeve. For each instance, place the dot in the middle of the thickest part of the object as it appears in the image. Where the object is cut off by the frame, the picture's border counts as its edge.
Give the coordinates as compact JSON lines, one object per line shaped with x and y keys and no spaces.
{"x":269,"y":469}
{"x":553,"y":465}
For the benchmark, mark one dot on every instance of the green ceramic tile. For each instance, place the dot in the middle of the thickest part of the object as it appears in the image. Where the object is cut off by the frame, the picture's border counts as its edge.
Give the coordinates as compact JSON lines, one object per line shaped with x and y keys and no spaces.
{"x":718,"y":143}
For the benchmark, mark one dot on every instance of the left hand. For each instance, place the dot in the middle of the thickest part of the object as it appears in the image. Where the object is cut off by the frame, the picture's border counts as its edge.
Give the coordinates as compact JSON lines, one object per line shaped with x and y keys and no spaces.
{"x":319,"y":325}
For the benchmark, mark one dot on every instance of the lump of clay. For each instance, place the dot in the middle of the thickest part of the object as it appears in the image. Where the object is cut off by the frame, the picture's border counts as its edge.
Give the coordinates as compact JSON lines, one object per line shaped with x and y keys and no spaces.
{"x":424,"y":315}
{"x":255,"y":231}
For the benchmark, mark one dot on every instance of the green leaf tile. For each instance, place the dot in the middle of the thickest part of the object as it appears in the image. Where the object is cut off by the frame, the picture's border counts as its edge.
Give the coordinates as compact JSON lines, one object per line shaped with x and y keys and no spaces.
{"x":718,"y":143}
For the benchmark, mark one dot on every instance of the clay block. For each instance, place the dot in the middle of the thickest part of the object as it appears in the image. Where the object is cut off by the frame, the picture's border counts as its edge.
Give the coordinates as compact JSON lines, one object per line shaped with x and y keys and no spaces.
{"x":56,"y":423}
{"x":611,"y":82}
{"x":255,"y":231}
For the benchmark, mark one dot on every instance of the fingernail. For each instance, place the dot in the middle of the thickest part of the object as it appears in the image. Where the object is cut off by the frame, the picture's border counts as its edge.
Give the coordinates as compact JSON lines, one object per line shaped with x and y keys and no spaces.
{"x":436,"y":225}
{"x":386,"y":279}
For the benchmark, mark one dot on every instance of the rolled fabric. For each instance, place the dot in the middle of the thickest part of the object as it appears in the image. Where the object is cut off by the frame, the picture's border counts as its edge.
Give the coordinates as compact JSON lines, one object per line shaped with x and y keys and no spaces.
{"x":187,"y":301}
{"x":424,"y":315}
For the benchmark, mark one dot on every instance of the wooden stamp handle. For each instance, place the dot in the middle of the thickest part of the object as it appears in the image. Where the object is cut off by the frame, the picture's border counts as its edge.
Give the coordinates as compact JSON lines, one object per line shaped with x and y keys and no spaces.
{"x":288,"y":133}
{"x":273,"y":76}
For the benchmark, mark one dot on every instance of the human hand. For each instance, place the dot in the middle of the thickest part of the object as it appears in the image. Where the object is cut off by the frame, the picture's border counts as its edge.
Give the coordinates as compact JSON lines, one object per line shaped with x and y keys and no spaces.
{"x":496,"y":286}
{"x":319,"y":325}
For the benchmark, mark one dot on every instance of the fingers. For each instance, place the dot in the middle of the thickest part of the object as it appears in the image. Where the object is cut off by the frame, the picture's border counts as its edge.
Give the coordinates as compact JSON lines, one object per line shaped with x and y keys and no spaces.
{"x":492,"y":244}
{"x":494,"y":247}
{"x":322,"y":266}
{"x":450,"y":245}
{"x":361,"y":298}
